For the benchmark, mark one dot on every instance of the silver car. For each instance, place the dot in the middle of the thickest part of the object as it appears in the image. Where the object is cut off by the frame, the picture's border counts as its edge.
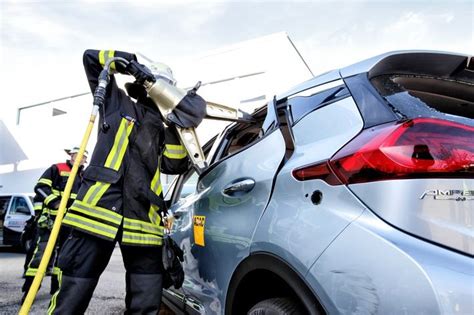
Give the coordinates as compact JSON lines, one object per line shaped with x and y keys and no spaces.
{"x":352,"y":193}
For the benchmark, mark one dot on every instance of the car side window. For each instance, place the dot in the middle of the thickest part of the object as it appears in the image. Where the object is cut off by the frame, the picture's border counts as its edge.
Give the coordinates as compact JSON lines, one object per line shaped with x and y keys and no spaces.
{"x":19,"y":206}
{"x":241,"y":136}
{"x":303,"y":105}
{"x":189,"y":185}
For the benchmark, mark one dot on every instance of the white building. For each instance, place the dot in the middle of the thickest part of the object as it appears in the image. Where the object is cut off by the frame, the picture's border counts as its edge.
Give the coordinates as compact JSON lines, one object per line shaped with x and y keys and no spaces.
{"x":245,"y":75}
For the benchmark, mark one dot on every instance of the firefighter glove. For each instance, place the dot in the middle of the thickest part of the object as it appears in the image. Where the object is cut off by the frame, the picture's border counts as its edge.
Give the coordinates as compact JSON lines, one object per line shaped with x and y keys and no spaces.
{"x":190,"y":111}
{"x":172,"y":258}
{"x":140,"y":72}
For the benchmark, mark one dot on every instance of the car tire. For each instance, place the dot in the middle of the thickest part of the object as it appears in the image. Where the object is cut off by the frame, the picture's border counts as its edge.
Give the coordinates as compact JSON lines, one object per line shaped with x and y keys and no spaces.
{"x":277,"y":306}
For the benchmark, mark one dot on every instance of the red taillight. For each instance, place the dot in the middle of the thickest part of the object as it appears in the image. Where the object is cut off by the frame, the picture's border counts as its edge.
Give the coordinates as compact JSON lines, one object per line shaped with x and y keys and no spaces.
{"x":422,"y":147}
{"x":419,"y":148}
{"x":317,"y":171}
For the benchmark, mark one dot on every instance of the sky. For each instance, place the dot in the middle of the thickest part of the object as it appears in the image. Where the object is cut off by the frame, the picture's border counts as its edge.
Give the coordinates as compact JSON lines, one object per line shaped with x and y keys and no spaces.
{"x":41,"y":42}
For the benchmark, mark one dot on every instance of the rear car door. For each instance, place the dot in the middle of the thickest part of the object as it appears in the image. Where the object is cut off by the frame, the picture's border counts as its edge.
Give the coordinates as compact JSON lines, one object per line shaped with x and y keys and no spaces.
{"x":217,"y":222}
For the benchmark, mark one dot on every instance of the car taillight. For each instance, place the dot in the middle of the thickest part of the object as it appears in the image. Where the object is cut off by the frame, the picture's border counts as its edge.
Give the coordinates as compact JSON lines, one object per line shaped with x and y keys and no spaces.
{"x":419,"y":148}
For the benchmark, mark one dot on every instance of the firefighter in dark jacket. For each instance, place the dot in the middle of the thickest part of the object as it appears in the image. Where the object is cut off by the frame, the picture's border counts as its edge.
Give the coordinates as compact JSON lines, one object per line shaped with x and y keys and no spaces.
{"x":121,"y":199}
{"x":48,"y":193}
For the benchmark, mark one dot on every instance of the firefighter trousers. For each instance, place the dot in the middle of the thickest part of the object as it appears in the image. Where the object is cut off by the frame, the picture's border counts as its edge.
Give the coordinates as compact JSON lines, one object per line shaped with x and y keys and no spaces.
{"x":82,"y":260}
{"x":42,"y":238}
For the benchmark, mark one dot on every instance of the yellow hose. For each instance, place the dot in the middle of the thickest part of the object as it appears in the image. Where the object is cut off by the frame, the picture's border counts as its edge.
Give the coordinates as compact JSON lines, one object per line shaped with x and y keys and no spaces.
{"x":25,"y":308}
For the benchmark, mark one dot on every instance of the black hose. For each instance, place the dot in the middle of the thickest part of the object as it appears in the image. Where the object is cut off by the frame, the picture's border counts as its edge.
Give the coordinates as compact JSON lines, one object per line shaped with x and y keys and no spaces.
{"x":101,"y":89}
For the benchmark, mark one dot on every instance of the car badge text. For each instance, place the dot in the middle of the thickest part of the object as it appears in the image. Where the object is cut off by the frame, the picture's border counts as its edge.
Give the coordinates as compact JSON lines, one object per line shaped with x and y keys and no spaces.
{"x":449,"y":194}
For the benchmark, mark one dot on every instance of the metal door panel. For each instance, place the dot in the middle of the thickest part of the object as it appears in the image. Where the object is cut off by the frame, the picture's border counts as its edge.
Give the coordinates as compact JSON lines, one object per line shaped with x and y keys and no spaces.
{"x":230,"y":221}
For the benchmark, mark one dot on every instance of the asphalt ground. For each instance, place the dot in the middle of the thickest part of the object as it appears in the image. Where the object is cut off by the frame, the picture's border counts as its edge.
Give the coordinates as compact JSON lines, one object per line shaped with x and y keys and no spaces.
{"x":109,"y":296}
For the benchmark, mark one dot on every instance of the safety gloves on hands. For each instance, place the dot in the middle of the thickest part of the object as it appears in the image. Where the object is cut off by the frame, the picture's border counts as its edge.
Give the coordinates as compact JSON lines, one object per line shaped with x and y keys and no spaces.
{"x":140,"y":72}
{"x":190,"y":111}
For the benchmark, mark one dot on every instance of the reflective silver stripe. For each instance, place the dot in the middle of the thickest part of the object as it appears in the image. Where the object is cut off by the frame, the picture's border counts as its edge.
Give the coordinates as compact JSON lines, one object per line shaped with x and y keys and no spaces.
{"x":136,"y":238}
{"x":176,"y":151}
{"x":153,"y":215}
{"x":49,"y":198}
{"x":157,"y":184}
{"x":123,"y":137}
{"x":95,"y":191}
{"x":45,"y":181}
{"x":142,"y":226}
{"x":100,"y":213}
{"x":90,"y":225}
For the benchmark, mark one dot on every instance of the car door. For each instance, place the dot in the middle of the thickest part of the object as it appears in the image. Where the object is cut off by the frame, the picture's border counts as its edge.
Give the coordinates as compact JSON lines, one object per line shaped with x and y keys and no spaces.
{"x":4,"y":203}
{"x":15,"y":219}
{"x":216,"y":223}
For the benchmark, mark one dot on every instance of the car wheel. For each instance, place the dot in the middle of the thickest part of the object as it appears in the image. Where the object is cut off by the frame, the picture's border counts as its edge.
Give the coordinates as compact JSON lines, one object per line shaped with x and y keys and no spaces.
{"x":277,"y":306}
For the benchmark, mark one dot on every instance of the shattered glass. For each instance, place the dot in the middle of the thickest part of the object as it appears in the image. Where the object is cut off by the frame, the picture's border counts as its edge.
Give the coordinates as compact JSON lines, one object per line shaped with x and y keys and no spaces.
{"x":410,"y":106}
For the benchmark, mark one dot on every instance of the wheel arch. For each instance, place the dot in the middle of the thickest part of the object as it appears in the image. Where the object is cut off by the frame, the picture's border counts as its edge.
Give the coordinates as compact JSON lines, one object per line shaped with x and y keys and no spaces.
{"x":263,"y":266}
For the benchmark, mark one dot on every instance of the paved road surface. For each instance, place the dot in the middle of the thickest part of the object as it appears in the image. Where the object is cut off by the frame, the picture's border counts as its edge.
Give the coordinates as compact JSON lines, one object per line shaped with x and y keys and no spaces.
{"x":108,"y":297}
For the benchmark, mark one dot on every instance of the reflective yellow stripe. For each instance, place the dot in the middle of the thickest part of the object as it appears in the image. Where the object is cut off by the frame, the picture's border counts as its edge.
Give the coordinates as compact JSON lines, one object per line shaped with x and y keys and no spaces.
{"x":101,"y":58}
{"x":73,"y":196}
{"x":115,"y":156}
{"x":156,"y":183}
{"x":153,"y":215}
{"x":114,"y":160}
{"x":175,"y":151}
{"x":33,"y":256}
{"x":56,"y":271}
{"x":111,"y":54}
{"x":142,"y":226}
{"x":49,"y":198}
{"x":97,"y":212}
{"x":45,"y":181}
{"x":38,"y":206}
{"x":95,"y":193}
{"x":52,"y":305}
{"x":50,"y":211}
{"x":105,"y":55}
{"x":65,"y":173}
{"x":89,"y":225}
{"x":57,"y":192}
{"x":31,"y":272}
{"x":139,"y":238}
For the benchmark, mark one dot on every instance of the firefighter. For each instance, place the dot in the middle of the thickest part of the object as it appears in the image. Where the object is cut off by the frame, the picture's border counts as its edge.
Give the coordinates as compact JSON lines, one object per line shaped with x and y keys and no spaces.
{"x":121,"y":198}
{"x":48,"y":193}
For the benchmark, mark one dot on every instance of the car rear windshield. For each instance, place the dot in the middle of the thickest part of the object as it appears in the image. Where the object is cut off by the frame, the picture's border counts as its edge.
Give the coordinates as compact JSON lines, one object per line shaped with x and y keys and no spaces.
{"x":414,"y":96}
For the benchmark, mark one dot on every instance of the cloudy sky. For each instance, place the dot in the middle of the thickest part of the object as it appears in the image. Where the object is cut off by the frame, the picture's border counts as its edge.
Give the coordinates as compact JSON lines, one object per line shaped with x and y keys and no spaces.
{"x":42,"y":41}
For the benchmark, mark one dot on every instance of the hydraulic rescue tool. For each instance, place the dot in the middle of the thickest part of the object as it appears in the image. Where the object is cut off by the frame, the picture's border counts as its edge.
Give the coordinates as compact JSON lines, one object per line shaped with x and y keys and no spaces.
{"x":167,"y":96}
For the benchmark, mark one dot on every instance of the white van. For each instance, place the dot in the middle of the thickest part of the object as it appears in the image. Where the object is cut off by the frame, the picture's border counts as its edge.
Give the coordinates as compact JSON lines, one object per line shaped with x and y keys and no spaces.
{"x":15,"y":210}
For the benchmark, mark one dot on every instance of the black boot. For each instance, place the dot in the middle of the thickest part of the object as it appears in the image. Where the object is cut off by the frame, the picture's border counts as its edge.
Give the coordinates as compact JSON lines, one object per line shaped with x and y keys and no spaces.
{"x":73,"y":296}
{"x":26,"y":287}
{"x":143,"y":293}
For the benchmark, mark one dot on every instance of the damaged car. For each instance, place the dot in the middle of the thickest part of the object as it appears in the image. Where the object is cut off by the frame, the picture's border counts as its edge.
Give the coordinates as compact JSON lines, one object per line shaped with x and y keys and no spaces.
{"x":351,"y":193}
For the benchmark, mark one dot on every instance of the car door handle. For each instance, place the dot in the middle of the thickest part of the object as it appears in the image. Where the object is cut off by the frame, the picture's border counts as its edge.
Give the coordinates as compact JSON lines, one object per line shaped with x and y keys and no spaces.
{"x":238,"y":188}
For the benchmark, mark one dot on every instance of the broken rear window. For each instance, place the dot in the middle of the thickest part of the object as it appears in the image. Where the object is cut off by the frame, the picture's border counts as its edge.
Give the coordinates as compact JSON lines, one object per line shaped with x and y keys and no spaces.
{"x":414,"y":96}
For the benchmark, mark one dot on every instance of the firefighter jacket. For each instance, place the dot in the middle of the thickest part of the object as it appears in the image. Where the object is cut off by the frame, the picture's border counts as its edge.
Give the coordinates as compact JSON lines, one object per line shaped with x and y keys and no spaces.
{"x":49,"y":191}
{"x":121,"y":185}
